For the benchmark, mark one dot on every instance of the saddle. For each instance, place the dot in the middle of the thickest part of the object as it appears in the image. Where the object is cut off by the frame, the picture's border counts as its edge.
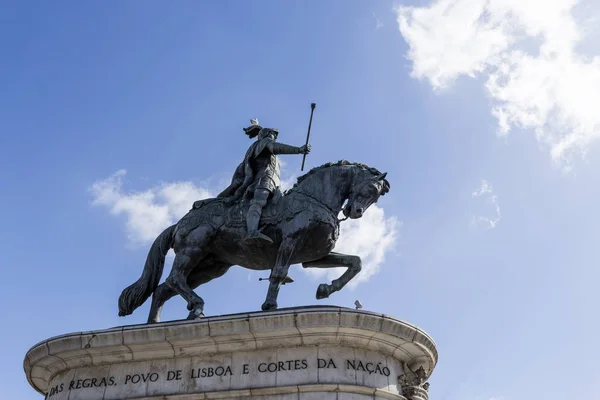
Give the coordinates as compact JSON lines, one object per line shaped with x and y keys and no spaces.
{"x":235,"y":214}
{"x":272,"y":212}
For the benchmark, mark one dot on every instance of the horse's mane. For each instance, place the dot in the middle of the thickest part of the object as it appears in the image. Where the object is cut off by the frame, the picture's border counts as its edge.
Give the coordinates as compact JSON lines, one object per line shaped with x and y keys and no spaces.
{"x":340,"y":163}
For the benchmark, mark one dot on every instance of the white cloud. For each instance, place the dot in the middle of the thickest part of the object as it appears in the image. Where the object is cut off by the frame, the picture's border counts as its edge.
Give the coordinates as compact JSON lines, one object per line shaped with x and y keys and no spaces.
{"x":287,"y":178}
{"x":528,"y":53}
{"x":147,"y":212}
{"x":287,"y":182}
{"x":150,"y":211}
{"x":489,"y":214}
{"x":370,"y":238}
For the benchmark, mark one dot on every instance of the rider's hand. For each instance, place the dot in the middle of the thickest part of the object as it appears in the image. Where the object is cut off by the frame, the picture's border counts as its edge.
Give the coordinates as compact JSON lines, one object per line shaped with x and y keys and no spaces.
{"x":305,"y":149}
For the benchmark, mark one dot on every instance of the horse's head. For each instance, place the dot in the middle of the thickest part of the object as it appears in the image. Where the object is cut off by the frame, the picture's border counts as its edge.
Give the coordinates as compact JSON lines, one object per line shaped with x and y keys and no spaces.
{"x":364,"y":194}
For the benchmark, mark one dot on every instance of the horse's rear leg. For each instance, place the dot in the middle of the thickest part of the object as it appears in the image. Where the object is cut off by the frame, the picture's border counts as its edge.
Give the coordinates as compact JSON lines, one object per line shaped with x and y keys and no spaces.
{"x":188,"y":255}
{"x":162,"y":293}
{"x":202,"y":274}
{"x":185,"y":261}
{"x":334,"y":260}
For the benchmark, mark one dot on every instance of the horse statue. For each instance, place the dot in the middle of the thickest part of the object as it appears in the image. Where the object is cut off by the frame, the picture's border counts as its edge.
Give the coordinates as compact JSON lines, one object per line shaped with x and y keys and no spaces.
{"x":303,"y":223}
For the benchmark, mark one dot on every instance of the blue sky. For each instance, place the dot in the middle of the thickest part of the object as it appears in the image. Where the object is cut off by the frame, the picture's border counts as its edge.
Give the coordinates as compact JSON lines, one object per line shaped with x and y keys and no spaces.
{"x":114,"y":116}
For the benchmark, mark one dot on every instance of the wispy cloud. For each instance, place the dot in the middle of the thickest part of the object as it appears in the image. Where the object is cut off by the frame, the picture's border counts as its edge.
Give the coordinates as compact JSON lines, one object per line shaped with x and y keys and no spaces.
{"x":150,"y":211}
{"x":288,"y":179}
{"x":146,"y":213}
{"x":378,"y":22}
{"x":528,"y":53}
{"x":489,"y":210}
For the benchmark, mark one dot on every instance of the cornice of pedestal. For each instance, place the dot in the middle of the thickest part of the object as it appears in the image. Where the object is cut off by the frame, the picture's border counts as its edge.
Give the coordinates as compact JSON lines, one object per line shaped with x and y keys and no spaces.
{"x":286,"y":328}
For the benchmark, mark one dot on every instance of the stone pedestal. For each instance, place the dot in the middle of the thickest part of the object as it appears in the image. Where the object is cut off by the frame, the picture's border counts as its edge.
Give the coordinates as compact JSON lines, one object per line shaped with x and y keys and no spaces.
{"x":302,"y":353}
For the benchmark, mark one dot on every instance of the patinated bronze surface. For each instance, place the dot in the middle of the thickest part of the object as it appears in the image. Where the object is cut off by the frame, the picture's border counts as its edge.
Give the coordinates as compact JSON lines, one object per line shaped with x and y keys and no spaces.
{"x":257,"y":176}
{"x":298,"y":227}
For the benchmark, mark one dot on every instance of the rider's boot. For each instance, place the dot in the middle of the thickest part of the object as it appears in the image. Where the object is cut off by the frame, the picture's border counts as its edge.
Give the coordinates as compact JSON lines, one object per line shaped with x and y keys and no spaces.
{"x":252,"y":220}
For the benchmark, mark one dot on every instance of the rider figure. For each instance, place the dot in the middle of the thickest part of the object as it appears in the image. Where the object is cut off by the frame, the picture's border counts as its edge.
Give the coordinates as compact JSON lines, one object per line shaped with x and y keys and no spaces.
{"x":258,"y":174}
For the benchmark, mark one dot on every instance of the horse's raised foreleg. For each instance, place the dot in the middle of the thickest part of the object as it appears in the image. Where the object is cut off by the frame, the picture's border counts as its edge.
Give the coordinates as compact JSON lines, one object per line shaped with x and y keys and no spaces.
{"x":334,"y":260}
{"x":278,"y":273}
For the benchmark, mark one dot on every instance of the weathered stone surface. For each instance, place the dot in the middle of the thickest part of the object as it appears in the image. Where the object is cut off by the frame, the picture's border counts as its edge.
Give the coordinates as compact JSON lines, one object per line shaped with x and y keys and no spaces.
{"x":244,"y":356}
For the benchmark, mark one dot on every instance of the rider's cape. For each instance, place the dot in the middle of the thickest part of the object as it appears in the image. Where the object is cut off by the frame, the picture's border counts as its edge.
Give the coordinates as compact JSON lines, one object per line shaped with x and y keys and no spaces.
{"x":244,"y":175}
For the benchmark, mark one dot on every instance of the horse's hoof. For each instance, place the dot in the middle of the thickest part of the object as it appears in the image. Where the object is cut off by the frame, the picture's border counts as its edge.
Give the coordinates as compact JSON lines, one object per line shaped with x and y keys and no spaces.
{"x":199,"y":313}
{"x":192,"y":316}
{"x":323,"y":291}
{"x":269,"y":306}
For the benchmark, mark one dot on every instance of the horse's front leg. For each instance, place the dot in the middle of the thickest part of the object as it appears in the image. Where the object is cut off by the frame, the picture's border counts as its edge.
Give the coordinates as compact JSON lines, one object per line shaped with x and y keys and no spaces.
{"x":279,"y":272}
{"x":334,"y":260}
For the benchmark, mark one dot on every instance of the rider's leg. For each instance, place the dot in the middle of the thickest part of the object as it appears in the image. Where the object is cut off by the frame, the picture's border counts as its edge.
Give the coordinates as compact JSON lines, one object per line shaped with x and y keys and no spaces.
{"x":261,"y":196}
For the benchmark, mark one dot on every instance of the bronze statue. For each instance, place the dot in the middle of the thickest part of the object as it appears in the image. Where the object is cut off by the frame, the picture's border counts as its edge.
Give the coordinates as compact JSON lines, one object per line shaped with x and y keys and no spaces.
{"x":301,"y":227}
{"x":257,"y":176}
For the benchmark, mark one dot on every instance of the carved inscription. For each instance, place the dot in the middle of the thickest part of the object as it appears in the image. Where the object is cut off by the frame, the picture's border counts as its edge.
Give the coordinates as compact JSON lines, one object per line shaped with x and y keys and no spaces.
{"x":82,"y":384}
{"x":202,"y":372}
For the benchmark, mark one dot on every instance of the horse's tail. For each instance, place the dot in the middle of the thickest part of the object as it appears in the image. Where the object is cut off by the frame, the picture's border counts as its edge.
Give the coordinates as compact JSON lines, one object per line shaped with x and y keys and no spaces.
{"x":136,"y":294}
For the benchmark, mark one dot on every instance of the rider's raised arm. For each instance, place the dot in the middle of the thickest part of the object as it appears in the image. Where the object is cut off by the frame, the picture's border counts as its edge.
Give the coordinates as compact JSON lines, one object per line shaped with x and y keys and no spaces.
{"x":281,"y":148}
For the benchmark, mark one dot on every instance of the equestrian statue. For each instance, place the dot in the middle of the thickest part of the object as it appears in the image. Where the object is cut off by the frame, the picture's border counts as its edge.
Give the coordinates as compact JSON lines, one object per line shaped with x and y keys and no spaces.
{"x":254,"y":225}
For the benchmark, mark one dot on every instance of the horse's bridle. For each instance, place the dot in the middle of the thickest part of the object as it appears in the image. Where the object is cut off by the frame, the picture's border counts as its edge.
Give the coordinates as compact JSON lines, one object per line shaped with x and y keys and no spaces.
{"x":333,"y":212}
